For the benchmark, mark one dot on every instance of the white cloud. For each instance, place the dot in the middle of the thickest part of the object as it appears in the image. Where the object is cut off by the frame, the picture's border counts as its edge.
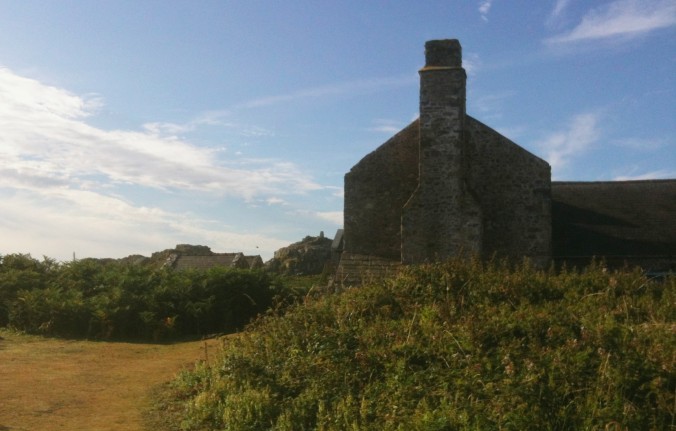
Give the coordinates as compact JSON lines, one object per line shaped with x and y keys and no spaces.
{"x":46,"y":139}
{"x":559,"y":7}
{"x":59,"y":179}
{"x":558,"y":15}
{"x":620,"y":19}
{"x":562,"y":146}
{"x":484,"y":8}
{"x":652,"y":175}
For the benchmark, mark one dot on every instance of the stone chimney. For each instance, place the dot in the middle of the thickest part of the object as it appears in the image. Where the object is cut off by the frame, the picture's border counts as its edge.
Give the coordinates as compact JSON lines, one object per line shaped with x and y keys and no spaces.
{"x":441,"y":219}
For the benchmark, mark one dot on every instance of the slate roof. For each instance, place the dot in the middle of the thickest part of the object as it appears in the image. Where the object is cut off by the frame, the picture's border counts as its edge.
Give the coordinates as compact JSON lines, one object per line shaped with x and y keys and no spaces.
{"x":254,"y":262}
{"x":633,"y":219}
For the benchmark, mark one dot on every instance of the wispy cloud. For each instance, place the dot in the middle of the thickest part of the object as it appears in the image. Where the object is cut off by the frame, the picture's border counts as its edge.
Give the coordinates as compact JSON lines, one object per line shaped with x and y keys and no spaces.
{"x":559,"y":7}
{"x":338,"y":89}
{"x":273,"y":200}
{"x":222,"y":119}
{"x":484,"y":8}
{"x":560,"y":147}
{"x":389,"y":127}
{"x":471,"y":63}
{"x":652,"y":175}
{"x":619,"y":19}
{"x":557,"y":16}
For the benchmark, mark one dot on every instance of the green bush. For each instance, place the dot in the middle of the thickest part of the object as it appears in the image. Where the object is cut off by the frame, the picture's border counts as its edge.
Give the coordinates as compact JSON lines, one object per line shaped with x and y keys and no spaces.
{"x":452,"y":346}
{"x":108,"y":299}
{"x":21,"y":272}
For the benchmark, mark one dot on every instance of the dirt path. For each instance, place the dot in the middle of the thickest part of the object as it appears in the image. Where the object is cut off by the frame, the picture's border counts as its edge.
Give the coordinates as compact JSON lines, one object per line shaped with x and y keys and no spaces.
{"x":49,"y":384}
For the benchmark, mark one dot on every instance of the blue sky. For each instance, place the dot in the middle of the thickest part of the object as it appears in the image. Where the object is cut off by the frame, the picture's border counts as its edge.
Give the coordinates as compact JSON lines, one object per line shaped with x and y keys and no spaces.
{"x":129,"y":126}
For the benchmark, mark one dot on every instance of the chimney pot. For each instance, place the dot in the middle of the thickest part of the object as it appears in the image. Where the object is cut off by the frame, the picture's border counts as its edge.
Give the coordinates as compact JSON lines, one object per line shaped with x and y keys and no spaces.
{"x":443,"y":53}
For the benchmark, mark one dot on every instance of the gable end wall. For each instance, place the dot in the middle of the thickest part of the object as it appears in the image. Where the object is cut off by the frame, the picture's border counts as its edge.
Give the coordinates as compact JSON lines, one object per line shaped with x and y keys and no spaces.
{"x":514,"y":190}
{"x":376,"y":190}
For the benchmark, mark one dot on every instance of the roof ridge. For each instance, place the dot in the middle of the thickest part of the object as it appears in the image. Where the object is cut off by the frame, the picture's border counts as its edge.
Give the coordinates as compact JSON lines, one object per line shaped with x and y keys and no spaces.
{"x":656,"y":180}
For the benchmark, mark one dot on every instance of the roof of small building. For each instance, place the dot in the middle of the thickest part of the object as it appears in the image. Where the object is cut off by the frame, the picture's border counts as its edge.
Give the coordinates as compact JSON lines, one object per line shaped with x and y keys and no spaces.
{"x":615,"y":218}
{"x":254,"y":261}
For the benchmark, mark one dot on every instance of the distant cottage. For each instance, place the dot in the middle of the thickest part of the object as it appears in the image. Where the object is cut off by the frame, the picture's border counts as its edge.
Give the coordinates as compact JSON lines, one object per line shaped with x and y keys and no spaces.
{"x":448,"y":185}
{"x":224,"y":260}
{"x":200,"y":257}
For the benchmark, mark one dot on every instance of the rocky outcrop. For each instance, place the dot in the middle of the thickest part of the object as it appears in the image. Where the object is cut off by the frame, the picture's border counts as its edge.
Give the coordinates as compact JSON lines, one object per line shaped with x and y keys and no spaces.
{"x":135,"y":259}
{"x":306,"y":257}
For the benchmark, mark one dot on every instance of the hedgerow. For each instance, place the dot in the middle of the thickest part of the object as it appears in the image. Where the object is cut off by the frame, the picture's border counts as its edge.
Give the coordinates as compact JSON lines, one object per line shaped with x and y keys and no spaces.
{"x":113,"y":300}
{"x":452,"y":346}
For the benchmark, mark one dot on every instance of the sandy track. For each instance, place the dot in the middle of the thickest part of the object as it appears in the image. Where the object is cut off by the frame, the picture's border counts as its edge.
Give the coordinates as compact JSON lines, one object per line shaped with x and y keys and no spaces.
{"x":50,"y":384}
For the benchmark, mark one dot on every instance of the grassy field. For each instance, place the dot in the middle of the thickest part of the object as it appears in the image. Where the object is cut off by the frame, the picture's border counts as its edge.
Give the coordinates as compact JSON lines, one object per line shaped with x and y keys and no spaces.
{"x":55,"y":384}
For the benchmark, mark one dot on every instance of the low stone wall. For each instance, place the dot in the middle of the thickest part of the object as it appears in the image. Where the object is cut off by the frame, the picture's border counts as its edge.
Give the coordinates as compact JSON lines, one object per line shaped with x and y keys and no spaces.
{"x":355,"y":269}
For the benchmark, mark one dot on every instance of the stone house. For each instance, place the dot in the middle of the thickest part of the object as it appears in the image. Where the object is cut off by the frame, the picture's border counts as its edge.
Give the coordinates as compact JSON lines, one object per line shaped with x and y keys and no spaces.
{"x":448,"y":185}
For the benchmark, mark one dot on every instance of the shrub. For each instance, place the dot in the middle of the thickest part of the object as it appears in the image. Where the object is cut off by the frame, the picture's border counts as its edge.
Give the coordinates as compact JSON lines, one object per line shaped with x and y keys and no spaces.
{"x":109,"y":299}
{"x":21,"y":272}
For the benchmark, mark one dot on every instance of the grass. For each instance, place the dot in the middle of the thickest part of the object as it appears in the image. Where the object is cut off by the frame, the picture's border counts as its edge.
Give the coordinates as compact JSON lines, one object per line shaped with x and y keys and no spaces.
{"x":452,"y":346}
{"x":54,"y":384}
